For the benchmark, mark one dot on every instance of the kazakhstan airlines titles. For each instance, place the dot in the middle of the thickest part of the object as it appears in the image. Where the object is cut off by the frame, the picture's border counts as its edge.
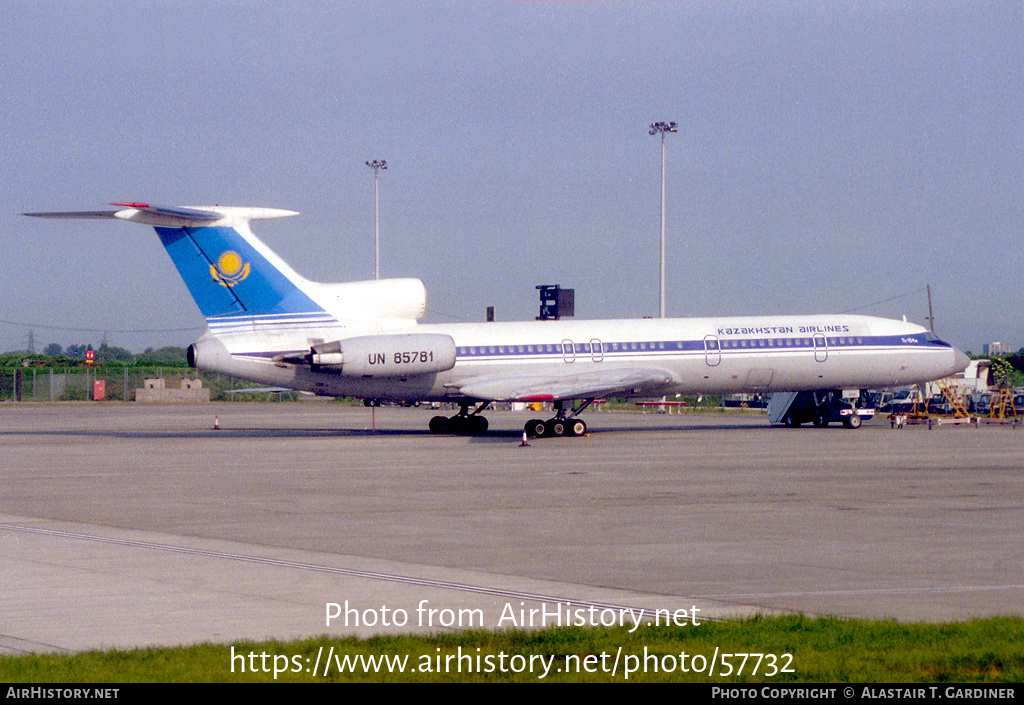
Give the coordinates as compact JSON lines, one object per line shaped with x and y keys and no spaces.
{"x":783,"y":330}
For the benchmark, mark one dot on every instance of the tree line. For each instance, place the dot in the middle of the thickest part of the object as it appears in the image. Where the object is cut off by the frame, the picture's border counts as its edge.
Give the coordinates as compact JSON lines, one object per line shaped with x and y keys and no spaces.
{"x":74,"y":355}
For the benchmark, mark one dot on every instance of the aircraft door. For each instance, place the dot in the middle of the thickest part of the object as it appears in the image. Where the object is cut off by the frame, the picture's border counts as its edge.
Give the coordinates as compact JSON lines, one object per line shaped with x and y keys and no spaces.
{"x":568,"y":351}
{"x":596,"y":350}
{"x":712,"y":350}
{"x":820,"y":348}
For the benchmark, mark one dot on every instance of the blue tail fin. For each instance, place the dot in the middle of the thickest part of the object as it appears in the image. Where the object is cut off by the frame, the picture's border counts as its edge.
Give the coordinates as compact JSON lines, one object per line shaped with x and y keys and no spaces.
{"x":227,"y":275}
{"x":226,"y":268}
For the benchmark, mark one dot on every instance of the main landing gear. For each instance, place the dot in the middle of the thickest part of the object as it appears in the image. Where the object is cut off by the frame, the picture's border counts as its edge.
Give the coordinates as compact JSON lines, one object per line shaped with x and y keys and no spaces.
{"x":463,"y":423}
{"x":560,"y":425}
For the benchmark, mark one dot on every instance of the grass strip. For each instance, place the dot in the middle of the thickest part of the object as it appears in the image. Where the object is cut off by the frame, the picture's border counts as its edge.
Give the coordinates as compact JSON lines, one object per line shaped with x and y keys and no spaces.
{"x":821,"y":650}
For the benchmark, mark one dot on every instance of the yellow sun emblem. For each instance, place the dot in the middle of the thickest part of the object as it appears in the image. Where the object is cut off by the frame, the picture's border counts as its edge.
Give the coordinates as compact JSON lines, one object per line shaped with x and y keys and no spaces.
{"x":230,"y":269}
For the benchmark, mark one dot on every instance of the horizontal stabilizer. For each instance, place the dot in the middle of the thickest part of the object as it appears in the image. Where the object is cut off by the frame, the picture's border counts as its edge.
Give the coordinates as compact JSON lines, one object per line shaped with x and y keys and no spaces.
{"x":75,"y":214}
{"x":173,"y":211}
{"x":172,"y":216}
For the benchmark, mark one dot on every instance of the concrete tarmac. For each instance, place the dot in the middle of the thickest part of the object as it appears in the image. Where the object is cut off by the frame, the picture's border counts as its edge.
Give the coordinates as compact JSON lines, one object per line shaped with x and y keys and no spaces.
{"x":124,"y":525}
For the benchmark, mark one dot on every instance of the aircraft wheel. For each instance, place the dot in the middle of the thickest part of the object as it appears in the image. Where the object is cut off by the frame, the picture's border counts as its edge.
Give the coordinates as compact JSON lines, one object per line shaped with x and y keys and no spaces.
{"x":576,"y":427}
{"x":555,"y":427}
{"x":478,"y":425}
{"x":458,"y":425}
{"x":439,"y":424}
{"x":852,"y":421}
{"x":535,"y":428}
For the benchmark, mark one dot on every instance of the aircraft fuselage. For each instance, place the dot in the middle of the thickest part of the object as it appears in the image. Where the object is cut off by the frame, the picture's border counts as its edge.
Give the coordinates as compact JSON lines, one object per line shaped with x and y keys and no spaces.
{"x":701,"y":355}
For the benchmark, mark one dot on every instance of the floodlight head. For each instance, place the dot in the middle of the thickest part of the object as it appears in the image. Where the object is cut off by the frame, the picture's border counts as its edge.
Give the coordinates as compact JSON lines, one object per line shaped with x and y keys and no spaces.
{"x":662,"y":127}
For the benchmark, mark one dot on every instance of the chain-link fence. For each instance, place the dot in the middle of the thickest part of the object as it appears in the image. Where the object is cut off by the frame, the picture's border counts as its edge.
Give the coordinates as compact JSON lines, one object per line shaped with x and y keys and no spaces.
{"x":116,"y":384}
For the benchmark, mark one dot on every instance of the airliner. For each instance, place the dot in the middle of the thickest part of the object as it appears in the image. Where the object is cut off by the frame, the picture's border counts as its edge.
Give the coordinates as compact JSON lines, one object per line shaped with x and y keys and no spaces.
{"x":268,"y":324}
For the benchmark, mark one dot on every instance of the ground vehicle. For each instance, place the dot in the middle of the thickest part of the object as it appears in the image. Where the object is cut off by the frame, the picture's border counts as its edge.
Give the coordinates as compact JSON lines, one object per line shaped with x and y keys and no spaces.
{"x":979,"y":403}
{"x":822,"y":408}
{"x":902,"y":401}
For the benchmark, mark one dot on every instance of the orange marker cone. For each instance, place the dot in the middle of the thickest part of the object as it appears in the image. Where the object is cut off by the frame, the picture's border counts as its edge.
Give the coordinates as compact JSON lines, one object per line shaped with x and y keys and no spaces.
{"x":216,"y":422}
{"x":525,"y":443}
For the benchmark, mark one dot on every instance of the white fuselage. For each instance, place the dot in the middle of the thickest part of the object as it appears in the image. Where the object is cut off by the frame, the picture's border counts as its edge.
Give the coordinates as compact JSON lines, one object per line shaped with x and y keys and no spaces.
{"x":697,"y":355}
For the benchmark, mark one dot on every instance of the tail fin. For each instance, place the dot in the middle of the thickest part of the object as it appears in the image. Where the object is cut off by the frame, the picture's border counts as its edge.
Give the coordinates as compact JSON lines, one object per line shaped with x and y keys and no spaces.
{"x":227,"y":269}
{"x":236,"y":280}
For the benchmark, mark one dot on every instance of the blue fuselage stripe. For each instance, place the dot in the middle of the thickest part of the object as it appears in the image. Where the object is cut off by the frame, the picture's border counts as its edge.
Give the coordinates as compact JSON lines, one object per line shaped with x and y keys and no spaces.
{"x":555,"y":352}
{"x":709,"y":346}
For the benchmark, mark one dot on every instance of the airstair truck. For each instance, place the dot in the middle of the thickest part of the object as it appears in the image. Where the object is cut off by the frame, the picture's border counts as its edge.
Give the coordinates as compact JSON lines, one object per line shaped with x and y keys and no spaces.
{"x":820,"y":407}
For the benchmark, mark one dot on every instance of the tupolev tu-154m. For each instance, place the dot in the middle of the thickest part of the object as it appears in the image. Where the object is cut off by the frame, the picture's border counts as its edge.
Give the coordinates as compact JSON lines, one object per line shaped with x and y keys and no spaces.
{"x":268,"y":324}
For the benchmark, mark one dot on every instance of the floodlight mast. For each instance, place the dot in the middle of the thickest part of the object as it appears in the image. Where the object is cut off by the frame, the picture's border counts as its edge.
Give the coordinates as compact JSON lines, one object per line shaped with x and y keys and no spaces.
{"x":376,"y":165}
{"x":661,"y":128}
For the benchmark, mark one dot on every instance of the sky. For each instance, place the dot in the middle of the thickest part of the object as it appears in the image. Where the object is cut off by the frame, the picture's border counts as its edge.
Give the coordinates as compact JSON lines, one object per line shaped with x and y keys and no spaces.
{"x":830,"y":156}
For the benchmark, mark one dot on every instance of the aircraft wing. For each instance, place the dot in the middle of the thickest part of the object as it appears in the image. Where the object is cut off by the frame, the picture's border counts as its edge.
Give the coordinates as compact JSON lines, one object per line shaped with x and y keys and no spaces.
{"x":548,"y":387}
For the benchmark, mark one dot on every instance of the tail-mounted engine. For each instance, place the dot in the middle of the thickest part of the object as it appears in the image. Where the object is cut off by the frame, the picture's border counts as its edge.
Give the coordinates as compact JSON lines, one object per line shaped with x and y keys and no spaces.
{"x":404,"y":355}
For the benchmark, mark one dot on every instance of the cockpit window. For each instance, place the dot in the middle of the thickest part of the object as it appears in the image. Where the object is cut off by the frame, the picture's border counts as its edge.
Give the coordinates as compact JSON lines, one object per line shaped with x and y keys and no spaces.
{"x":933,"y":339}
